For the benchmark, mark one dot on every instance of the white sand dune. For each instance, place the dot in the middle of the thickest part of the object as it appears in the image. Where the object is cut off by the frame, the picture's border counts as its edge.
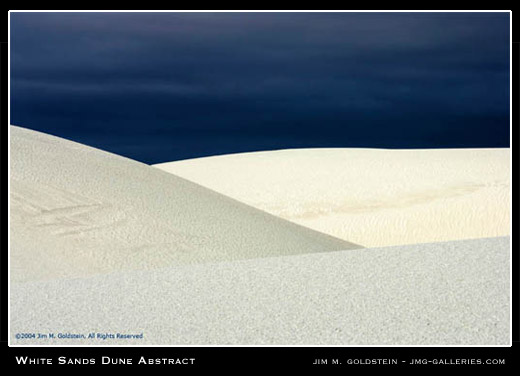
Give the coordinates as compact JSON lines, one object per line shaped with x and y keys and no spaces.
{"x":103,"y":244}
{"x":452,"y":293}
{"x":77,"y":211}
{"x":372,"y":197}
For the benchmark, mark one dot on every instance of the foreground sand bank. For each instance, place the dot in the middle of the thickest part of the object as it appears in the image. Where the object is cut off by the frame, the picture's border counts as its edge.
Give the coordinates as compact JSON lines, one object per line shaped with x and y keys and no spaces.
{"x":105,"y":245}
{"x":373,"y":197}
{"x":77,"y":211}
{"x":453,"y":293}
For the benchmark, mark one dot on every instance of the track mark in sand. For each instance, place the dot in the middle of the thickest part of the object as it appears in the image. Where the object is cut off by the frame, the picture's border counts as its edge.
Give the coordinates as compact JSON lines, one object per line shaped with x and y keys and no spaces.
{"x":317,"y":209}
{"x":60,"y":212}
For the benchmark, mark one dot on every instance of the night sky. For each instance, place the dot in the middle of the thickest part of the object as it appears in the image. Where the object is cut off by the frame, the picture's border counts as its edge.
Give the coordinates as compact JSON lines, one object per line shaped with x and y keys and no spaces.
{"x":158,"y":87}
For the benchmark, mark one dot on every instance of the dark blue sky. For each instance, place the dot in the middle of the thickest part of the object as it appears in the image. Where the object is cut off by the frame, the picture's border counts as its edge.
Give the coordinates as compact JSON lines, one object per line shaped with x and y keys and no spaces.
{"x":158,"y":87}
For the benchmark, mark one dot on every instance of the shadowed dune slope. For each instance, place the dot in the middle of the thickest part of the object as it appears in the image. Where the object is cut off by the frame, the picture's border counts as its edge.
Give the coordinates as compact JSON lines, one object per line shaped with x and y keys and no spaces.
{"x":77,"y":211}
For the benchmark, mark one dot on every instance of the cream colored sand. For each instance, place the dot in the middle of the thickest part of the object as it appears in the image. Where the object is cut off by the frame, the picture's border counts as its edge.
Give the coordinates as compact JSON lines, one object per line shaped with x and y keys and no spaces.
{"x":103,"y":244}
{"x":78,"y":211}
{"x":454,"y":293}
{"x":372,"y":197}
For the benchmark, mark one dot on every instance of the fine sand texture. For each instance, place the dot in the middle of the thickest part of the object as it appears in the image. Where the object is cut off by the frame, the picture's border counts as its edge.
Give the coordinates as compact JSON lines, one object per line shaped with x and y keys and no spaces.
{"x":372,"y":197}
{"x":77,"y":211}
{"x":449,"y":293}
